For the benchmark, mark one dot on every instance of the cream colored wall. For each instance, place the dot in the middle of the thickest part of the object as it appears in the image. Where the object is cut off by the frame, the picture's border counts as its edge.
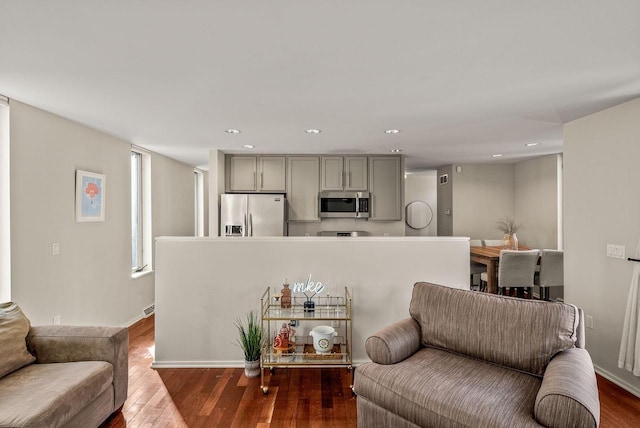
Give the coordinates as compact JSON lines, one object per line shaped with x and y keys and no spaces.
{"x":222,"y":279}
{"x":5,"y":190}
{"x":89,"y":282}
{"x":536,"y":201}
{"x":215,"y":189}
{"x":445,"y":202}
{"x":422,"y":186}
{"x":602,"y":206}
{"x":482,"y":195}
{"x":374,"y":228}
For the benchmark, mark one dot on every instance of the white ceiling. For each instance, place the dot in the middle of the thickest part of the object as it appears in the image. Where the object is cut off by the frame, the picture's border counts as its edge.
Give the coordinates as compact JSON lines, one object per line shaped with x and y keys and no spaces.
{"x":462,"y":80}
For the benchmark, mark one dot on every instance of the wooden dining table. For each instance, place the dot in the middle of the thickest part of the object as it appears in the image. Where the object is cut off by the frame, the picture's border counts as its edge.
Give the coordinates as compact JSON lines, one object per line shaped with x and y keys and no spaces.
{"x":490,"y":257}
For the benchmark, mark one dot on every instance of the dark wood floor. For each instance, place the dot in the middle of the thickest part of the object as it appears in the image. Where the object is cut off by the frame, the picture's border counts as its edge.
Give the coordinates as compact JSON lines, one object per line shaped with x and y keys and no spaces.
{"x":296,"y":398}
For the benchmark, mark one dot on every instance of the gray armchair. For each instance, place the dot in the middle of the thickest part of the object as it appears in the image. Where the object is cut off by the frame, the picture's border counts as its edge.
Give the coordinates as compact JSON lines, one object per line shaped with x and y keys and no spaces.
{"x":448,"y":365}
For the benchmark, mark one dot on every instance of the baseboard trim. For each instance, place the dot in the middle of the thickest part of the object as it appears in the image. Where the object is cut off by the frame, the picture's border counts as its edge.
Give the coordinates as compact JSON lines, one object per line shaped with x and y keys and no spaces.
{"x":219,"y":364}
{"x":620,"y":382}
{"x":196,"y":364}
{"x":133,"y":321}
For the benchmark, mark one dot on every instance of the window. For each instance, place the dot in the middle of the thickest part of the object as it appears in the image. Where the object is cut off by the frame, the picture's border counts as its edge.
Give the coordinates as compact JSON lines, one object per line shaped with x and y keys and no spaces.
{"x":137,"y":226}
{"x":198,"y":208}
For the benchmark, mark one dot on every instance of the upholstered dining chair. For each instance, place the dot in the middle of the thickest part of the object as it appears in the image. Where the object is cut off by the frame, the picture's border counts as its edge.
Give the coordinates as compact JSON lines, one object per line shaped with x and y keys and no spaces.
{"x":551,"y":271}
{"x":516,"y":269}
{"x":476,"y":268}
{"x":493,"y":242}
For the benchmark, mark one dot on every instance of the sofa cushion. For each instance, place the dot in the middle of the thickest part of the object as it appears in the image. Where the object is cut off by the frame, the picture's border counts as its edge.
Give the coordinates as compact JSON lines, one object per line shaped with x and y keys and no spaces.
{"x":512,"y":332}
{"x":50,"y":395}
{"x":14,"y":326}
{"x":450,"y":390}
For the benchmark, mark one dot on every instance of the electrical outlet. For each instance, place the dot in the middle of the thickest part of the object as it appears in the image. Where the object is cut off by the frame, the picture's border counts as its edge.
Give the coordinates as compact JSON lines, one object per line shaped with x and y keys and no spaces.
{"x":55,"y":248}
{"x":335,"y":323}
{"x":56,"y":320}
{"x":589,"y":321}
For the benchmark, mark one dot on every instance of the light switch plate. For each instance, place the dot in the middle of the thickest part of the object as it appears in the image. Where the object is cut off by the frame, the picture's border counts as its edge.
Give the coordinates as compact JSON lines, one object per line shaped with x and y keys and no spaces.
{"x":616,"y":251}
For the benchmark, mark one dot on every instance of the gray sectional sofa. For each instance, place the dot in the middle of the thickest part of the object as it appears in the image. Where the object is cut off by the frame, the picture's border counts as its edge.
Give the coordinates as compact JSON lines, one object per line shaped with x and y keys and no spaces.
{"x":470,"y":359}
{"x":59,"y":376}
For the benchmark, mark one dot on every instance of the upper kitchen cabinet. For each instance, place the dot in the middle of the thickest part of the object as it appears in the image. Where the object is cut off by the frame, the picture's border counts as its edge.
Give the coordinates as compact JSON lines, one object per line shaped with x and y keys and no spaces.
{"x":385,"y":181}
{"x":344,"y":173}
{"x":256,"y":174}
{"x":303,"y":183}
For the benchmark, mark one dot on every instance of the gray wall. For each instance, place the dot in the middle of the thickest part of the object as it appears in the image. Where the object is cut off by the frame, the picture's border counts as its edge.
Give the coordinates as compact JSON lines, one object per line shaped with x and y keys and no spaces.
{"x":602,"y":206}
{"x":90,"y":281}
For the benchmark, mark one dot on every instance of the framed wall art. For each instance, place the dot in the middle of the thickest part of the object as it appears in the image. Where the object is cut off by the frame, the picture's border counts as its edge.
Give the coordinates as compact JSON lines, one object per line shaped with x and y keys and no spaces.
{"x":90,"y":196}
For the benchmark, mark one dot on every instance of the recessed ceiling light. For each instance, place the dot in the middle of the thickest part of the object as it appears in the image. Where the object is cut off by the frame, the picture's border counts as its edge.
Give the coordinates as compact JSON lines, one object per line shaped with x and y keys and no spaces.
{"x":312,"y":131}
{"x":392,"y":131}
{"x":232,"y":131}
{"x":395,"y":150}
{"x":532,"y":144}
{"x":497,"y":155}
{"x":249,"y":146}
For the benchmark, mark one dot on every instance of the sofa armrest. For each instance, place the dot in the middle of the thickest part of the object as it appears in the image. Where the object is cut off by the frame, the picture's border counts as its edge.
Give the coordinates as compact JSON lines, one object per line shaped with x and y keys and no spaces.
{"x":59,"y":344}
{"x":568,"y":396}
{"x":394,"y":343}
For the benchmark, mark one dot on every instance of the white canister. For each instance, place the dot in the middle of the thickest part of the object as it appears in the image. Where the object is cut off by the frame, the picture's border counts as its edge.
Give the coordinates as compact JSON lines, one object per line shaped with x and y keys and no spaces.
{"x":323,"y":338}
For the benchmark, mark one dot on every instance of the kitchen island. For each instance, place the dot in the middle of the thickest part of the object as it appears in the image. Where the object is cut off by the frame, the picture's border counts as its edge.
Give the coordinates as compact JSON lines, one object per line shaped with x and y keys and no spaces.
{"x":204,"y":284}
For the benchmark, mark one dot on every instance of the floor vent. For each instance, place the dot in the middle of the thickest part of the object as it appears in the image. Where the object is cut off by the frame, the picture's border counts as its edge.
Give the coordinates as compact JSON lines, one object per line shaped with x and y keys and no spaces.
{"x":148,"y":311}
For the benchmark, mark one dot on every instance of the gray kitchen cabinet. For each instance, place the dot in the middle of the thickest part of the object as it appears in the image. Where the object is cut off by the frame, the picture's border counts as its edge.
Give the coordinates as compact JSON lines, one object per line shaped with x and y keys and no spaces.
{"x":303,"y":184}
{"x":256,"y":174}
{"x":385,"y":188}
{"x":344,"y":173}
{"x":272,"y":171}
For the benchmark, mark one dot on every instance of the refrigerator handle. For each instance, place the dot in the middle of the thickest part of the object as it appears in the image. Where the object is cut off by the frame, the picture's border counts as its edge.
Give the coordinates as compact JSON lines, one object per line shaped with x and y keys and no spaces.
{"x":244,"y":228}
{"x":250,"y":225}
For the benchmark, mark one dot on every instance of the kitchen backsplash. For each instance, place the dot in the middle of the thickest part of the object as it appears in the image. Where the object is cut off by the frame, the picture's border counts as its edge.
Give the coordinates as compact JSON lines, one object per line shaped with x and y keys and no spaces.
{"x":375,"y":228}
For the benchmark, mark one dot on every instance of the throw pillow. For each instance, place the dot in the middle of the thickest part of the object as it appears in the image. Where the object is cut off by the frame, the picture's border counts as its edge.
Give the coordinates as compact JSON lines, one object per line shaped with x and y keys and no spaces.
{"x":14,"y":327}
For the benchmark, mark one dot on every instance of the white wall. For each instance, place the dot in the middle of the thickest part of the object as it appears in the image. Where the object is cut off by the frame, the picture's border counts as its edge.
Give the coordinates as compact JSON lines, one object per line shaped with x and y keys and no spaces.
{"x":482,"y":195}
{"x":601,"y":206}
{"x":90,"y":281}
{"x":536,"y":200}
{"x":422,"y":186}
{"x":204,"y":284}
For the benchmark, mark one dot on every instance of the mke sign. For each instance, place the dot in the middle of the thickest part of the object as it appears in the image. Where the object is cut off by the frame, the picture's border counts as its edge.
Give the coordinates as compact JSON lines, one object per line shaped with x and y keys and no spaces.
{"x":308,"y":287}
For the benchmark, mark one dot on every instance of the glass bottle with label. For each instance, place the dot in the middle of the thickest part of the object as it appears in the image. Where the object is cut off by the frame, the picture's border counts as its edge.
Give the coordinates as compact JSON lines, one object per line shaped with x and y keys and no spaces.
{"x":285,"y":300}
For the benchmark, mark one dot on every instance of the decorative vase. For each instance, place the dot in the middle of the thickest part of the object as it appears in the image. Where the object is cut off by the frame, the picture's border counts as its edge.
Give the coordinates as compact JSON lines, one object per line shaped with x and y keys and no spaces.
{"x":510,"y":241}
{"x":285,"y":300}
{"x":252,"y":368}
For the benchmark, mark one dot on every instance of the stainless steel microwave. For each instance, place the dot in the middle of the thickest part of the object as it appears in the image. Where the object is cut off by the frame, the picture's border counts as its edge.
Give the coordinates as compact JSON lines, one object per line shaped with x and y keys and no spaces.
{"x":344,"y":204}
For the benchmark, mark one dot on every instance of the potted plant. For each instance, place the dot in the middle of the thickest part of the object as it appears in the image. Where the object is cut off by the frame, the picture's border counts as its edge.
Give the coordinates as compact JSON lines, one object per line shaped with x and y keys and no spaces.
{"x":509,"y":227}
{"x":250,"y":341}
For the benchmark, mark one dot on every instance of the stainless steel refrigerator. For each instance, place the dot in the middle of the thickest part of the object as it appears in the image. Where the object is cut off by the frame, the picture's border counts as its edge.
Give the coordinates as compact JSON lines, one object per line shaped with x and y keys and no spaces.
{"x":252,"y":215}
